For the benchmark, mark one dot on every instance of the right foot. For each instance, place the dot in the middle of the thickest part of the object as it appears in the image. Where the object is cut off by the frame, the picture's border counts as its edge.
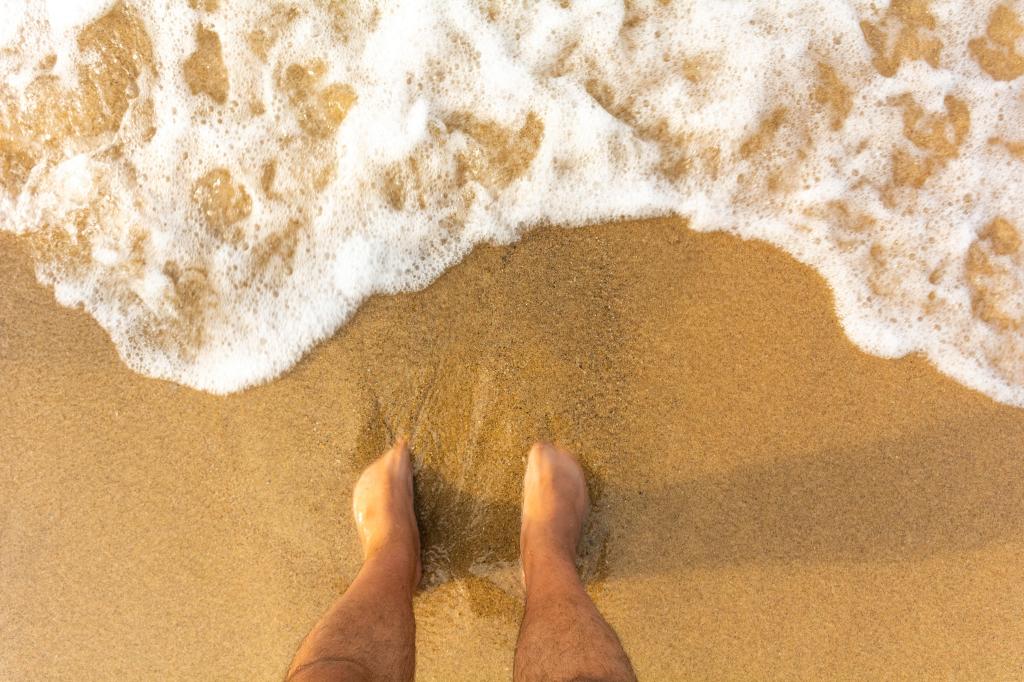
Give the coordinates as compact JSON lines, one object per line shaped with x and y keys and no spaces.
{"x":555,"y":505}
{"x":382,"y":503}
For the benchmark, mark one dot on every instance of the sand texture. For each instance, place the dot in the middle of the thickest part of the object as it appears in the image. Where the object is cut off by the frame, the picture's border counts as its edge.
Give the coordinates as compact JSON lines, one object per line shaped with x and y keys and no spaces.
{"x":771,"y":502}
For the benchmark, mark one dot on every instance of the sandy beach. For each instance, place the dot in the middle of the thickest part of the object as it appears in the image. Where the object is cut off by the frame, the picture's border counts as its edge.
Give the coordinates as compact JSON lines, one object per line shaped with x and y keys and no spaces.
{"x":770,"y":501}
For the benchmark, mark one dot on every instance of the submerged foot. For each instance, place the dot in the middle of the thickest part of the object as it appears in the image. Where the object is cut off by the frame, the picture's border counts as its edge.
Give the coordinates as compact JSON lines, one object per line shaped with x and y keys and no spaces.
{"x":555,"y":505}
{"x":382,"y":503}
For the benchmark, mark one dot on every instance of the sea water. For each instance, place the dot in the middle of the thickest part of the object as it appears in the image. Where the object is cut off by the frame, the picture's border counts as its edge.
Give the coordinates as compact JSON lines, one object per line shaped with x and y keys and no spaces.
{"x":221,"y":183}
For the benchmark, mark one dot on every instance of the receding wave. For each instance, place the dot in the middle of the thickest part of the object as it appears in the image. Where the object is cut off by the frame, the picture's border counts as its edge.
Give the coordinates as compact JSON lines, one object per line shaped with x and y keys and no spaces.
{"x":222,"y":183}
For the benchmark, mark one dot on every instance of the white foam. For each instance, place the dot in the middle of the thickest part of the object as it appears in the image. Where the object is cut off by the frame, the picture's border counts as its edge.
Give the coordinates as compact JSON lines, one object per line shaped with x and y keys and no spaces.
{"x":66,"y":17}
{"x":14,"y":14}
{"x":644,"y":110}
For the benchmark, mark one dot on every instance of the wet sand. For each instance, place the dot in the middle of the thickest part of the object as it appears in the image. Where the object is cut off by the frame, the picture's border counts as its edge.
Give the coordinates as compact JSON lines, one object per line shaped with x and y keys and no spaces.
{"x":771,"y":502}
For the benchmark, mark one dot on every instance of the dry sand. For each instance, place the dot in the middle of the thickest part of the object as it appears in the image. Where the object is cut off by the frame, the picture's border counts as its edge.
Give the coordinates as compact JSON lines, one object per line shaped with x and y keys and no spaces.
{"x":771,"y":502}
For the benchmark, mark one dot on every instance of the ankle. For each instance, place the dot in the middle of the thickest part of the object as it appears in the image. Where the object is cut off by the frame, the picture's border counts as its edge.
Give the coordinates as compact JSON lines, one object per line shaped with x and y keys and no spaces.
{"x":547,"y":564}
{"x":395,"y":558}
{"x":548,"y":539}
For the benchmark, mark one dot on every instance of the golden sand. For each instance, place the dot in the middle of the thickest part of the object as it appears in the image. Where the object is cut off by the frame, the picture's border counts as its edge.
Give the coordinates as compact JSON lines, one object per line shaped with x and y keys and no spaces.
{"x":770,"y":502}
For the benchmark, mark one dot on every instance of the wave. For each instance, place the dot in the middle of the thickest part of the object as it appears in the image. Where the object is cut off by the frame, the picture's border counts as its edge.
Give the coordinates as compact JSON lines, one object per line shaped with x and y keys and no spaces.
{"x":221,"y":184}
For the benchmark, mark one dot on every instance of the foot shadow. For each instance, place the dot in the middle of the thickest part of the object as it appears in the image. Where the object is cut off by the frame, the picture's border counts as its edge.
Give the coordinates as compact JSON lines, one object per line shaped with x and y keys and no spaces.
{"x":920,"y":495}
{"x":464,"y":535}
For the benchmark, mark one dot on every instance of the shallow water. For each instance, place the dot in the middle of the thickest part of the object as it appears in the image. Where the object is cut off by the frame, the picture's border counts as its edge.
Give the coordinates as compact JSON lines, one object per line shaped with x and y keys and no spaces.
{"x":222,"y":184}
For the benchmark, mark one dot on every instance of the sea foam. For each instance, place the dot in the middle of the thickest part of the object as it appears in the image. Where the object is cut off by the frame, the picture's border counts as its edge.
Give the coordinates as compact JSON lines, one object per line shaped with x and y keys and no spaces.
{"x":221,"y":183}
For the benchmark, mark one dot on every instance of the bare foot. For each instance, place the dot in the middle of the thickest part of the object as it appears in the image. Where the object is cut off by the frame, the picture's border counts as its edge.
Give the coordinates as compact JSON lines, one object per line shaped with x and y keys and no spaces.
{"x":382,"y":505}
{"x":555,"y":505}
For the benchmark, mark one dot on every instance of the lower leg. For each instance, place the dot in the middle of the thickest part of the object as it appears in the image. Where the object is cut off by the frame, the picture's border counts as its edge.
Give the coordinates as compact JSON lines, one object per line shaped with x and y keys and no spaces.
{"x":369,"y":632}
{"x":563,"y":636}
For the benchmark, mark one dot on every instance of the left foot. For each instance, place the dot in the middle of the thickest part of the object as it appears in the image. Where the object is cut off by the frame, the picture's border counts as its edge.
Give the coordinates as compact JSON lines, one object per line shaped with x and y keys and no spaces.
{"x":382,"y":503}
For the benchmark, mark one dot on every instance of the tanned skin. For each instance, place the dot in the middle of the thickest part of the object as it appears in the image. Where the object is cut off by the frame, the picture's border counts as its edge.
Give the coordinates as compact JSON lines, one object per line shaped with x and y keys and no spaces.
{"x":369,"y":634}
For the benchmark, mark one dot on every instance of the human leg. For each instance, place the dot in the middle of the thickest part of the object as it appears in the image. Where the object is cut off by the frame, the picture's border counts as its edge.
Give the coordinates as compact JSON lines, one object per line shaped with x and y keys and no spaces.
{"x":368,"y":633}
{"x":563,"y":636}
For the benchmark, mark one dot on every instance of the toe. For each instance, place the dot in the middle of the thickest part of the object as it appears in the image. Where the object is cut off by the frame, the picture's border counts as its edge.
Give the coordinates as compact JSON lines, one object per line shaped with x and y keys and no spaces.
{"x":541,"y":449}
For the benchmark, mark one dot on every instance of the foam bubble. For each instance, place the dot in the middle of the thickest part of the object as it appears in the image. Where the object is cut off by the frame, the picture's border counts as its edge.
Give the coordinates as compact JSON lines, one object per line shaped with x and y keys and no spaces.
{"x":221,"y":186}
